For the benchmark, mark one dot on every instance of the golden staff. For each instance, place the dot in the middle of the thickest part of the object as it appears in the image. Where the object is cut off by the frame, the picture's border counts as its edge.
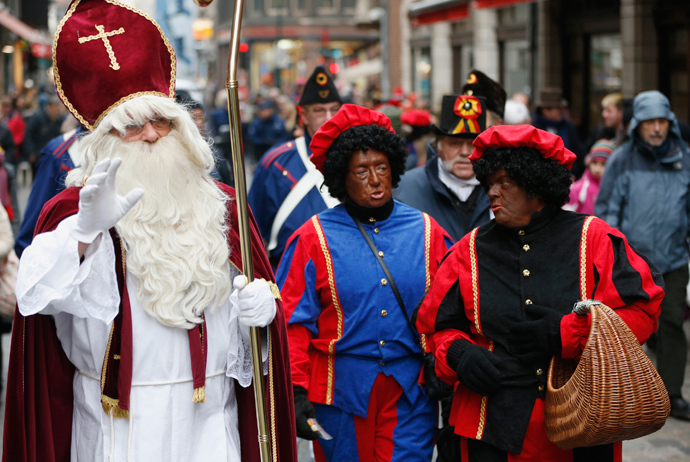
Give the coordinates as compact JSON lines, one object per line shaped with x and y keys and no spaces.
{"x":231,"y":84}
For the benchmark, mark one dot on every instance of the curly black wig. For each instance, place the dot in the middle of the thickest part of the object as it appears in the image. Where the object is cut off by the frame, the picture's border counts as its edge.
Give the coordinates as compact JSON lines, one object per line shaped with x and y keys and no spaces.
{"x":361,"y":138}
{"x":537,"y":175}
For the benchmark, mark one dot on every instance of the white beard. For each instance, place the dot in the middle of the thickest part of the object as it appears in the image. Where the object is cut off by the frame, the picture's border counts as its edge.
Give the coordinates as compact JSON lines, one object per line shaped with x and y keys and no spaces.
{"x":175,"y":236}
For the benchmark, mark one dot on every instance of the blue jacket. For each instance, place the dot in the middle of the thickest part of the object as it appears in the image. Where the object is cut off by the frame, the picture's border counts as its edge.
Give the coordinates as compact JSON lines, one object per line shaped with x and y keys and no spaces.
{"x":351,"y":327}
{"x":422,"y":189}
{"x":646,"y":195}
{"x":53,"y":164}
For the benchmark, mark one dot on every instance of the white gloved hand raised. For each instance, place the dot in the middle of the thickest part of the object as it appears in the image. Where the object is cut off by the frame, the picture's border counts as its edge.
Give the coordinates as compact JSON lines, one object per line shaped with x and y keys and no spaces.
{"x":256,"y":303}
{"x":100,"y":207}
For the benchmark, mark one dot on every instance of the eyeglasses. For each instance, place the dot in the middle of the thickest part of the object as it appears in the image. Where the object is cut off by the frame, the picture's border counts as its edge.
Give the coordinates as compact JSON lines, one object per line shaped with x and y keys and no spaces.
{"x":158,"y":124}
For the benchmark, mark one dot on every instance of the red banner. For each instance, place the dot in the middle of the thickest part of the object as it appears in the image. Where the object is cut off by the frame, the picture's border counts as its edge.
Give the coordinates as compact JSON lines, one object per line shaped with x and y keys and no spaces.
{"x":480,"y":4}
{"x":454,"y":13}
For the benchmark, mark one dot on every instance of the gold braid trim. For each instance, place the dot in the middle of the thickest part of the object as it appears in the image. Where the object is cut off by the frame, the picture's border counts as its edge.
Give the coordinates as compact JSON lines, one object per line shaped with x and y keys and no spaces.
{"x":336,"y":305}
{"x":482,"y":410}
{"x":583,"y":259}
{"x":112,"y":405}
{"x":427,"y":267}
{"x":475,"y":283}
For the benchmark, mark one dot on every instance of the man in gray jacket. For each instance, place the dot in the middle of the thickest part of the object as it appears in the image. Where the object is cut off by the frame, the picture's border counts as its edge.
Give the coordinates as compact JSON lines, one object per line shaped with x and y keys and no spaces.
{"x":645,"y":193}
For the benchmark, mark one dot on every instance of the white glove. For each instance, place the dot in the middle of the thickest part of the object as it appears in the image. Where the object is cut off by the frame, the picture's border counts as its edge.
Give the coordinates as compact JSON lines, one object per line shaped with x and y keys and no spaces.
{"x":255,"y":301}
{"x":100,"y":207}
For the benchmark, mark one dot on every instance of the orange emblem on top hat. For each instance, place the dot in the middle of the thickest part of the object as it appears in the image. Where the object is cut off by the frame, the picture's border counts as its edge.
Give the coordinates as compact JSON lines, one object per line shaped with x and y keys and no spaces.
{"x":471,"y":79}
{"x":105,"y":53}
{"x":469,"y":109}
{"x":321,"y":78}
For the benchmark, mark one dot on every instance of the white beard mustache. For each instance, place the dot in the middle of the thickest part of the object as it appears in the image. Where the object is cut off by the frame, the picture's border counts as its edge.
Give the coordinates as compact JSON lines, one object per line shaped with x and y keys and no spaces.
{"x":448,"y":164}
{"x":175,"y":236}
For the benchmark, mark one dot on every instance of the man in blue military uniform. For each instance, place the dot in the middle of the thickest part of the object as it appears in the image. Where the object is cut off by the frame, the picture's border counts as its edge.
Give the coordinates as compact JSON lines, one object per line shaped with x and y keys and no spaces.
{"x":287,"y":189}
{"x":57,"y":158}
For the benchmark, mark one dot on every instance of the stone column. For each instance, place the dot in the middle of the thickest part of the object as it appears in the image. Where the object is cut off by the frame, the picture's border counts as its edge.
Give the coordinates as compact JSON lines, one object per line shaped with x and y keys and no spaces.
{"x":640,"y":47}
{"x":405,"y":48}
{"x":394,"y":45}
{"x":485,"y":42}
{"x":441,"y":62}
{"x":549,"y":50}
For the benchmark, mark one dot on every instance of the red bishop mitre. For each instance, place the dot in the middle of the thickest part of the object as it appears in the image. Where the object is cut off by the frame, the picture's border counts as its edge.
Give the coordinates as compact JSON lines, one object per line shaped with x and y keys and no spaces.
{"x":105,"y":53}
{"x":348,"y":116}
{"x":514,"y":136}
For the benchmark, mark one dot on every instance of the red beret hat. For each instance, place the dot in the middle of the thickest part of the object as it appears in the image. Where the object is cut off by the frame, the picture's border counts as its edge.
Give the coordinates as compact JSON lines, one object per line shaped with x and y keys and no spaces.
{"x":349,"y":115}
{"x":416,"y":118}
{"x":105,"y":53}
{"x":514,"y":136}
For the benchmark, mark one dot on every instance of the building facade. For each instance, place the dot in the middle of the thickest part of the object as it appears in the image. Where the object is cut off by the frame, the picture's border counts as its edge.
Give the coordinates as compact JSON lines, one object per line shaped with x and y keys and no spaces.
{"x":588,"y":48}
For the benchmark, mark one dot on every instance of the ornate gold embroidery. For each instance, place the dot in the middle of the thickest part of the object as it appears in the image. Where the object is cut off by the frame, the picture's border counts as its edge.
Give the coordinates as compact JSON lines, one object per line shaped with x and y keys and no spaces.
{"x":475,"y":284}
{"x":583,"y":259}
{"x":103,"y":35}
{"x":275,"y":290}
{"x":336,"y":305}
{"x":482,"y":410}
{"x":58,"y":82}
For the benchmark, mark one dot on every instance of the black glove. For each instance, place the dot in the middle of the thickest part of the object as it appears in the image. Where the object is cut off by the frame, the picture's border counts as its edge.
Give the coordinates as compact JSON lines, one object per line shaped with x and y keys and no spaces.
{"x":477,"y":367}
{"x":539,"y":335}
{"x":303,"y":412}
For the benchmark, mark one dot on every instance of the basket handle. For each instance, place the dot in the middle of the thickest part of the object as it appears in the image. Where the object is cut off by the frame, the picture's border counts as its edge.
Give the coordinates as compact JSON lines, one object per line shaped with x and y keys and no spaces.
{"x":582,"y":308}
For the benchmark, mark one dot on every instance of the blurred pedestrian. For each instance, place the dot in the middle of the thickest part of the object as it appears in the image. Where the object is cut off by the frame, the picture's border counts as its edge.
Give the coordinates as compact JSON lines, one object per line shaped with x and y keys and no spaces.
{"x":416,"y":128}
{"x":613,"y":126}
{"x":584,"y":192}
{"x":267,"y":129}
{"x":287,"y":189}
{"x":41,"y":127}
{"x":516,"y":113}
{"x":57,"y":158}
{"x":645,"y":192}
{"x":550,"y":117}
{"x":16,"y":124}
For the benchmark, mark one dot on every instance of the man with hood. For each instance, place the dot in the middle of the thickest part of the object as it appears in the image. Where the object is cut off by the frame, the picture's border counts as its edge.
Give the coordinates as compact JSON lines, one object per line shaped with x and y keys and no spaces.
{"x":287,"y":188}
{"x":645,"y":193}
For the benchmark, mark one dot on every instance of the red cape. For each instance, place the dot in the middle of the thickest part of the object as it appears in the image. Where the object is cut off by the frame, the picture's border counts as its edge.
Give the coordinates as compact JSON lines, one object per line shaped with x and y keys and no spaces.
{"x":39,"y":402}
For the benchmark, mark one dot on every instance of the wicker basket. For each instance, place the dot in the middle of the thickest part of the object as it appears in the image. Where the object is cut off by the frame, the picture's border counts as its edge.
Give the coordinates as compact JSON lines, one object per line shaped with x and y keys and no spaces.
{"x":612,"y":394}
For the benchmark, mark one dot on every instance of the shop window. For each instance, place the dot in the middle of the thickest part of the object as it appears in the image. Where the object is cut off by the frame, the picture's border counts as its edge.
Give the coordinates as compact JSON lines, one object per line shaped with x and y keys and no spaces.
{"x":515,"y":66}
{"x":606,"y":68}
{"x":422,"y":73}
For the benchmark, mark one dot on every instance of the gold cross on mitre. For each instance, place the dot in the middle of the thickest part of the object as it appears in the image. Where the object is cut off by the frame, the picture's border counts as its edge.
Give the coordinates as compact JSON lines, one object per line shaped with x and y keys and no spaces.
{"x":103,"y":35}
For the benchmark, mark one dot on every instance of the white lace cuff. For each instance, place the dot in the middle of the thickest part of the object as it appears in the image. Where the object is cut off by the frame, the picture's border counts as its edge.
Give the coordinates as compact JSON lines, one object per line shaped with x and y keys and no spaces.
{"x":239,"y":350}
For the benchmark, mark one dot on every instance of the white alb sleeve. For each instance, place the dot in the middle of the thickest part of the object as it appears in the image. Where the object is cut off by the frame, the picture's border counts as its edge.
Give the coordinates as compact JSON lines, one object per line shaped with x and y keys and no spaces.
{"x":51,"y":279}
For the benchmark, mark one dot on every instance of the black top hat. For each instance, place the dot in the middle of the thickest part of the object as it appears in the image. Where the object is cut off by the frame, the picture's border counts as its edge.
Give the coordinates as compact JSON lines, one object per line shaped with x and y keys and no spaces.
{"x":462,"y":116}
{"x":319,"y":89}
{"x":479,"y":84}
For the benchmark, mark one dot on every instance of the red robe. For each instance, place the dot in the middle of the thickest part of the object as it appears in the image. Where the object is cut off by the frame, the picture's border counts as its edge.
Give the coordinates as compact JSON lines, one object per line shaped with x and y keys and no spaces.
{"x":39,"y":403}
